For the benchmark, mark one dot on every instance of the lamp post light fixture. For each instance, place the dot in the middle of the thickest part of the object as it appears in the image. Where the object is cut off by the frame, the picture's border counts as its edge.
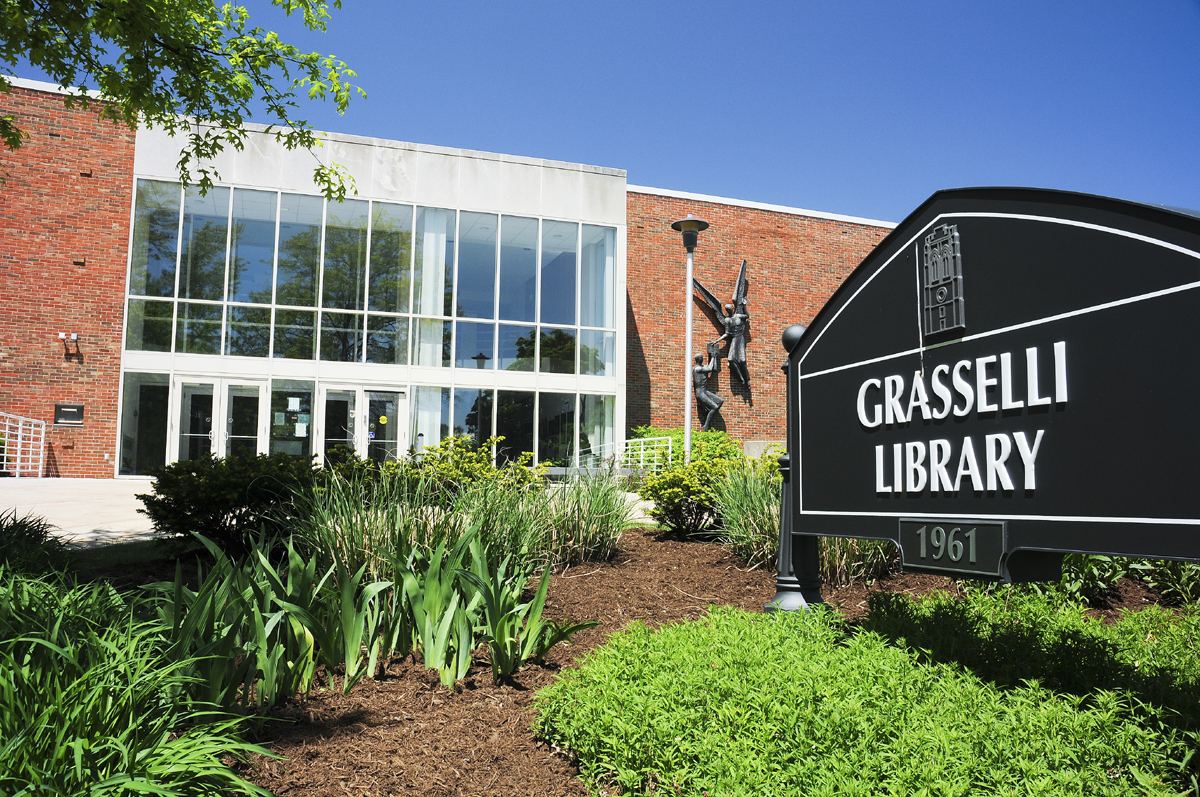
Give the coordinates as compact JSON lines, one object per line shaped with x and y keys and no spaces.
{"x":481,"y":360}
{"x":691,"y":227}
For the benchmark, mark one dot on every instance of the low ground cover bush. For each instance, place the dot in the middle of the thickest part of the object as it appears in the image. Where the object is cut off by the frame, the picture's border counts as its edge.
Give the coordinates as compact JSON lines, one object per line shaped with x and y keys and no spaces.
{"x":740,"y":703}
{"x":685,"y":495}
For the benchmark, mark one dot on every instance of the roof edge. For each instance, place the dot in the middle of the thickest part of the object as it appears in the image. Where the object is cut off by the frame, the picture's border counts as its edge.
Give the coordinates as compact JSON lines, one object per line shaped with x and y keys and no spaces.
{"x":743,"y":203}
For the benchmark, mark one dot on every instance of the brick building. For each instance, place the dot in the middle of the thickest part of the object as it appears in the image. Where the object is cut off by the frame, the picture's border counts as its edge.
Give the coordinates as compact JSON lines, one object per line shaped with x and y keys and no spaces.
{"x":460,"y":293}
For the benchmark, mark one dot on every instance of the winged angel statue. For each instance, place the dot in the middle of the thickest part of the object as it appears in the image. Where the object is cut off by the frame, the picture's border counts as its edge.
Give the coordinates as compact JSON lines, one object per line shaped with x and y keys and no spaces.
{"x":736,"y":321}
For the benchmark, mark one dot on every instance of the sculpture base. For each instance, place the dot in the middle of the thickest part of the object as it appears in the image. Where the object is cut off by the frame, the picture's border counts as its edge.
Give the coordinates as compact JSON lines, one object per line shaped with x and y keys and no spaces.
{"x":791,"y":596}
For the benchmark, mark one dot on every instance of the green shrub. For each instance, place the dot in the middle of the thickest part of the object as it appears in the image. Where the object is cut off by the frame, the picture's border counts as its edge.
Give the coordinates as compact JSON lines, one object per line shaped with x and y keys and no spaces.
{"x":797,"y":704}
{"x":226,"y":500}
{"x":685,"y":496}
{"x":1178,"y":582}
{"x":715,"y":443}
{"x":29,"y":545}
{"x":748,"y":502}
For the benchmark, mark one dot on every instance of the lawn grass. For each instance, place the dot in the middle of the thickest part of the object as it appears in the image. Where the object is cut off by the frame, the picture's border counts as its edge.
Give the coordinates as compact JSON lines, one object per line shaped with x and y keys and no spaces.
{"x":742,"y":703}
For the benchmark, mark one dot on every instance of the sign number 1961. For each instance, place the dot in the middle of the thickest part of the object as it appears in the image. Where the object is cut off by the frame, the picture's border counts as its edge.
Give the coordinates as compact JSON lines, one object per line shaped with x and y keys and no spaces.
{"x":955,"y":546}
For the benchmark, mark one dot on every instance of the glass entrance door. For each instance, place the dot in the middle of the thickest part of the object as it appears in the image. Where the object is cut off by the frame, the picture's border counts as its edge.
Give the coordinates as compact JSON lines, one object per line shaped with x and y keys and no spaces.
{"x":387,"y":420}
{"x":217,"y":417}
{"x":196,"y":405}
{"x":340,"y":422}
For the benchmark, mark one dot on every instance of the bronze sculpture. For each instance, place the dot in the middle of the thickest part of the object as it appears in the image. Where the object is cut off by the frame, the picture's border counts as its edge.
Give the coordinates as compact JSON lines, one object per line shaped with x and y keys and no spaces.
{"x":736,"y":320}
{"x":705,"y":397}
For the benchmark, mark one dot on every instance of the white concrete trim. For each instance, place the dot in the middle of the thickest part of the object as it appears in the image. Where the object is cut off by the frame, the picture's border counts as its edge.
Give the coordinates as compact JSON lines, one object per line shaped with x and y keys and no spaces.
{"x":742,"y":203}
{"x":50,"y":88}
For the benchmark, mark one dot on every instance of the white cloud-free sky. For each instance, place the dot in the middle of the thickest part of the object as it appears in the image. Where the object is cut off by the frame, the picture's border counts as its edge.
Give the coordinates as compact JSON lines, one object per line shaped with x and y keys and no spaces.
{"x":855,"y":107}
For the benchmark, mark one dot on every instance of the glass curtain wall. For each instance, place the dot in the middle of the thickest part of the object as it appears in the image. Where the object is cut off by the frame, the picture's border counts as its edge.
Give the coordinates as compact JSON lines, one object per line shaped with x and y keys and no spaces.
{"x":143,"y":423}
{"x":249,"y":273}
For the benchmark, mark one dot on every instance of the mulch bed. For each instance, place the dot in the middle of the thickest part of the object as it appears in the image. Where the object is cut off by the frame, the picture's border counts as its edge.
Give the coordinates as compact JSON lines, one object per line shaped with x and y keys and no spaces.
{"x":406,"y":734}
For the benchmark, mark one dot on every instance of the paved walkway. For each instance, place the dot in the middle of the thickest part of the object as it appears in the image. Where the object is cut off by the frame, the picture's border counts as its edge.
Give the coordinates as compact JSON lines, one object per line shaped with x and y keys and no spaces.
{"x":87,"y":512}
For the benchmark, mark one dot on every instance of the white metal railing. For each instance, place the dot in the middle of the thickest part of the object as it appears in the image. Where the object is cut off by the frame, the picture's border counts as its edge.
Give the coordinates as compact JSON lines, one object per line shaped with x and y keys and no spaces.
{"x":648,"y":455}
{"x":22,"y":445}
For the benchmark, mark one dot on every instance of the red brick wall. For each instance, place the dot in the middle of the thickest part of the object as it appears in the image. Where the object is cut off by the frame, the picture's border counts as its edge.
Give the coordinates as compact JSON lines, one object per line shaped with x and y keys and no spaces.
{"x":66,"y":199}
{"x":794,"y":264}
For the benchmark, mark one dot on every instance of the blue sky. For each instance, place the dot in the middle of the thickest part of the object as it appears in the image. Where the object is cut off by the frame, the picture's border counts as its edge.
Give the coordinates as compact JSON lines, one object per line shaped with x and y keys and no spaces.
{"x":862,"y":108}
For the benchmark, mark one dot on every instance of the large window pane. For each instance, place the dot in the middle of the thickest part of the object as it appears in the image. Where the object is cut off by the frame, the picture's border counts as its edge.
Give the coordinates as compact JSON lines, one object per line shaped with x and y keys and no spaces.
{"x":477,"y":266}
{"x":149,"y":326}
{"x":473,"y":414}
{"x":345,"y":255}
{"x":387,"y":339}
{"x":341,"y":337}
{"x":155,"y":238}
{"x":431,"y":345}
{"x":514,"y":422}
{"x":558,"y":272}
{"x":598,"y":274}
{"x":556,"y":429}
{"x":252,"y":246}
{"x":196,"y":420}
{"x":518,"y":268}
{"x":473,"y":346}
{"x":295,"y":334}
{"x":595,"y":429}
{"x":597,"y":352}
{"x":558,"y":351}
{"x":205,"y":229}
{"x":248,"y":331}
{"x":383,"y":425}
{"x":291,"y":417}
{"x":299,"y":249}
{"x":391,"y":257}
{"x":430,"y":416}
{"x":143,"y":424}
{"x":199,"y":329}
{"x":516,"y":349}
{"x":433,"y":265}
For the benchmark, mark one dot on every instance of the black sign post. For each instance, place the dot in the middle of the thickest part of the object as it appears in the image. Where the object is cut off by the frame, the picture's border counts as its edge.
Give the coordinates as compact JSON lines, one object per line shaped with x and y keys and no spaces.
{"x":1011,"y":375}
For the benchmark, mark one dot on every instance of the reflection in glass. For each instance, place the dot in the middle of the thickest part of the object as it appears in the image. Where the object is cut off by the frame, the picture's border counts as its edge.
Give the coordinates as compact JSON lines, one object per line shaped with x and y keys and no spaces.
{"x":383,"y":426}
{"x":556,"y":430}
{"x":195,"y":421}
{"x":597,"y":352}
{"x":149,"y":326}
{"x":518,"y":268}
{"x":387,"y":339}
{"x":516,"y":349}
{"x":252,"y":246}
{"x":341,"y":337}
{"x":291,"y":417}
{"x":295,"y":337}
{"x":430,"y":416}
{"x":199,"y":329}
{"x":339,"y":425}
{"x":143,"y":423}
{"x":514,"y":422}
{"x":558,"y":272}
{"x":248,"y":331}
{"x":241,"y":416}
{"x":433,"y":264}
{"x":431,"y":342}
{"x":595,"y":429}
{"x":299,"y":249}
{"x":202,"y":257}
{"x":345,"y":255}
{"x":473,"y":347}
{"x":391,"y":257}
{"x":473,"y":414}
{"x":155,"y":238}
{"x":477,"y":265}
{"x":558,"y":351}
{"x":597,"y":279}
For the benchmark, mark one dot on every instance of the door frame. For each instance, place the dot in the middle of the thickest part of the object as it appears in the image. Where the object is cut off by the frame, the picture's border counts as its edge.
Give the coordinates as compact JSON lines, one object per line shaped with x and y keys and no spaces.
{"x":219,"y":433}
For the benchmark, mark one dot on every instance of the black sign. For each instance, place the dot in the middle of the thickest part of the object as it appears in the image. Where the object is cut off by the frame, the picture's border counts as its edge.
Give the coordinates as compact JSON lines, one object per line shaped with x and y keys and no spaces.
{"x":1022,"y":366}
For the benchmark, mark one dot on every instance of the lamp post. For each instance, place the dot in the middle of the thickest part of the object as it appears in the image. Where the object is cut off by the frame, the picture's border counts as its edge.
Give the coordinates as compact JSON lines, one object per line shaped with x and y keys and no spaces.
{"x":481,"y":360}
{"x":691,"y":227}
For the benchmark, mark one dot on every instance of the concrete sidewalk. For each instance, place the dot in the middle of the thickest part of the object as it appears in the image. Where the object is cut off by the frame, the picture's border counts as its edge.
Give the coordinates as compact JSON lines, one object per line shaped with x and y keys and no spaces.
{"x":87,"y":512}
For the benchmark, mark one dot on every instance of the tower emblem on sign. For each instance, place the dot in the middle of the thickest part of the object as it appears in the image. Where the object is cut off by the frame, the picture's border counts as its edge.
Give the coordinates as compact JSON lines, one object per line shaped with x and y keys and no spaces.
{"x":942,"y":297}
